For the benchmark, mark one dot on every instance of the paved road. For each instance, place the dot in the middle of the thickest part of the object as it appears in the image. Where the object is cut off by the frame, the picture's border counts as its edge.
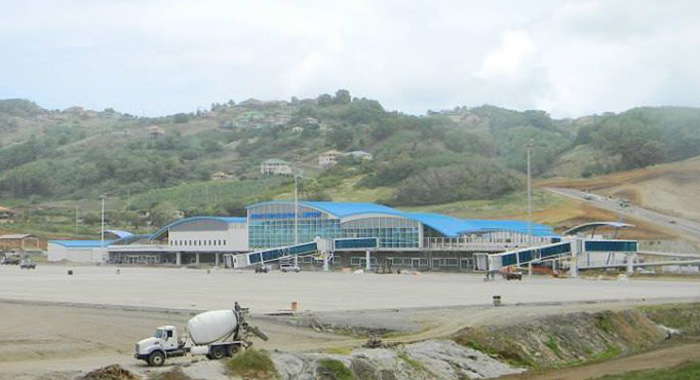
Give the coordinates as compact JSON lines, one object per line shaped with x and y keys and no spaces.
{"x":686,"y":227}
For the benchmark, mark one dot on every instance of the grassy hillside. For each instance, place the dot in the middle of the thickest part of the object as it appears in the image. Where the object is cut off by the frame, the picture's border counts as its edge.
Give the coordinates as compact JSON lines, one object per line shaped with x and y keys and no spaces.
{"x":465,"y":161}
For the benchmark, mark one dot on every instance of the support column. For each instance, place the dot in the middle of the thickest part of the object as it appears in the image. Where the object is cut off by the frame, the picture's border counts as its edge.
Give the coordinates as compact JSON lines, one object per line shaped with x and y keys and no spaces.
{"x":529,"y":268}
{"x":630,"y":264}
{"x":367,"y":266}
{"x":216,"y":259}
{"x":196,"y":258}
{"x":178,"y":258}
{"x":576,"y":250}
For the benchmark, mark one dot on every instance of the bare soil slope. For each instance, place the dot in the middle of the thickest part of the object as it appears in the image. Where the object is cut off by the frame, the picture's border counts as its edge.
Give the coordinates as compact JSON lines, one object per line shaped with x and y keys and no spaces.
{"x":672,"y":188}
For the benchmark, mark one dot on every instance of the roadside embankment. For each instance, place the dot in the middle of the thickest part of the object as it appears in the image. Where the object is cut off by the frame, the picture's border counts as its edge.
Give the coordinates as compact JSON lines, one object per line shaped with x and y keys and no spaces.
{"x":574,"y":338}
{"x":491,"y":351}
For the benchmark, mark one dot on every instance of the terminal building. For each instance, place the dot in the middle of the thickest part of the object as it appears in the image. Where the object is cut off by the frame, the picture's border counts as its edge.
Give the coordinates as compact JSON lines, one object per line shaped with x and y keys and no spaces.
{"x":403,"y":239}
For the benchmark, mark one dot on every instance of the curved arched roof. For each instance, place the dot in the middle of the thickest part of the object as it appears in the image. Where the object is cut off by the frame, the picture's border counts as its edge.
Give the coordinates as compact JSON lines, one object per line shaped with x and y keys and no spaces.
{"x":444,"y":224}
{"x":337,"y":209}
{"x":583,"y":227}
{"x":119,"y":233}
{"x":131,"y":239}
{"x":224,"y":219}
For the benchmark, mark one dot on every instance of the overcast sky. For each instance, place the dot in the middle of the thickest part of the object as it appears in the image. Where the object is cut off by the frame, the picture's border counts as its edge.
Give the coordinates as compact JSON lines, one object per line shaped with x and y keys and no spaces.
{"x":157,"y":57}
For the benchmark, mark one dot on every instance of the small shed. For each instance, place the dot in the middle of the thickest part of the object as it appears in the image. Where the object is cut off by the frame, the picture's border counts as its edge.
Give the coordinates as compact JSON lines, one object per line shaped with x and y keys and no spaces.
{"x":19,"y":242}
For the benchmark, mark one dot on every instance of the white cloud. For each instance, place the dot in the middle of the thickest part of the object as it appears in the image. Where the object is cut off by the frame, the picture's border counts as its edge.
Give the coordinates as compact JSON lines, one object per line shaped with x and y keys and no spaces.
{"x":165,"y":56}
{"x":507,"y":59}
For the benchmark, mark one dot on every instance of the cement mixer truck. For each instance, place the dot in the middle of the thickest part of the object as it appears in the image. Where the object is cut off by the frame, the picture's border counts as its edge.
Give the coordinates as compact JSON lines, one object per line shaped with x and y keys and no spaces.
{"x":216,"y":334}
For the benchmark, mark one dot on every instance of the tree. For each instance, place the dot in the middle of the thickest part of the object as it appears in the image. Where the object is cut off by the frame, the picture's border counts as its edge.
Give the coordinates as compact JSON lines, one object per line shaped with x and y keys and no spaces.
{"x":127,"y":218}
{"x":478,"y":179}
{"x":92,"y":219}
{"x":324,"y":100}
{"x":340,"y":138}
{"x":181,"y":118}
{"x":342,"y":97}
{"x":163,"y":213}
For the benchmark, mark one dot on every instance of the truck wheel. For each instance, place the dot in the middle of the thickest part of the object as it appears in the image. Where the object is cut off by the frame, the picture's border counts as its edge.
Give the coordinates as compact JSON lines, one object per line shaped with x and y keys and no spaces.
{"x":156,"y":359}
{"x":217,"y":352}
{"x":231,"y":350}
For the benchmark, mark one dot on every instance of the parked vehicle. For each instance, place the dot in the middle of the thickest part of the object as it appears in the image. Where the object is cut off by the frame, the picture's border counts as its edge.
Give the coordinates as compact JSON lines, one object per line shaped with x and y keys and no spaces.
{"x":513,"y":276}
{"x":290,"y":268}
{"x":262,"y":269}
{"x":216,"y":334}
{"x":26,"y":264}
{"x":11,"y":259}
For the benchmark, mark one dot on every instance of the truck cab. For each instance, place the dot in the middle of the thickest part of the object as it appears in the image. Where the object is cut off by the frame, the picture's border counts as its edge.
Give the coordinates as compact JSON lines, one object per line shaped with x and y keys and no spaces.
{"x":164,"y":343}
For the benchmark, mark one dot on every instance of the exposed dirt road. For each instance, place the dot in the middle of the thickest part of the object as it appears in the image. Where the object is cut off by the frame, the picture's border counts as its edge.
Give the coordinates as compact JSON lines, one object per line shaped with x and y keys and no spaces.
{"x":77,"y":339}
{"x":682,"y":227}
{"x":661,"y":358}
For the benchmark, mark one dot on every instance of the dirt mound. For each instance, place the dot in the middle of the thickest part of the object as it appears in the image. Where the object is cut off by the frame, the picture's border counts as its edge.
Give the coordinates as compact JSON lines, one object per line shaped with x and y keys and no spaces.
{"x":433,"y":360}
{"x":174,"y":374}
{"x":569,"y":338}
{"x":112,"y":372}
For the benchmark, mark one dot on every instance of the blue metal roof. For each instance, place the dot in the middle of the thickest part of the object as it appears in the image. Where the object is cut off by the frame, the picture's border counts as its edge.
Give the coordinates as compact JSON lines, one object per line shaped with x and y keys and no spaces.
{"x":444,"y":224}
{"x":453,"y":227}
{"x":338,"y":209}
{"x":225,"y":219}
{"x":519,"y":226}
{"x":341,"y":209}
{"x":82,"y":243}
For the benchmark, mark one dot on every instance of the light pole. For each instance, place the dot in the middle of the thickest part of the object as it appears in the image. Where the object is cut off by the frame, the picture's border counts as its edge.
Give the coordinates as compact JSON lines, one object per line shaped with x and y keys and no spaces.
{"x":529,"y":192}
{"x":102,"y":228}
{"x":529,"y":203}
{"x":296,"y":216}
{"x":296,"y":209}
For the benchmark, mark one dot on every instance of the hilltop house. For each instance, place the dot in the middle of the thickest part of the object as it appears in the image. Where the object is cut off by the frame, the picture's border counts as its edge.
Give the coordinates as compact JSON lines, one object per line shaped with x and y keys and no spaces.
{"x":155,"y":131}
{"x":324,"y":127}
{"x":275,"y":166}
{"x":360,"y":154}
{"x":310,"y":121}
{"x":329,"y":158}
{"x":220,"y":176}
{"x":297,"y":129}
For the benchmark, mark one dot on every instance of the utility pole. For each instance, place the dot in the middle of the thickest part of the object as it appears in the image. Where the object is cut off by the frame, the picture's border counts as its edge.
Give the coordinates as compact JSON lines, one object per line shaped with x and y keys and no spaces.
{"x":102,"y":229}
{"x":529,"y":191}
{"x":76,"y":219}
{"x":296,"y":215}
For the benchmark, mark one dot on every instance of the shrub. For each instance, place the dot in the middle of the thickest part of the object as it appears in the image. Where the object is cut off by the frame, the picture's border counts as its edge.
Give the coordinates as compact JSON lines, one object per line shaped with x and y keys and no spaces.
{"x":252,"y":363}
{"x":334,"y":369}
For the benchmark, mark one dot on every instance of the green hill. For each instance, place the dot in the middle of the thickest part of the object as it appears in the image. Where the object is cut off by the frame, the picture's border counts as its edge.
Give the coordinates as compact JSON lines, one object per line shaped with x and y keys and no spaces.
{"x":58,"y":157}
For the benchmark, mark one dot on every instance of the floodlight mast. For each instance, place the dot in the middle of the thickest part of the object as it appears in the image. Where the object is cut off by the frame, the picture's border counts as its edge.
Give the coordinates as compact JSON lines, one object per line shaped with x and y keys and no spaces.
{"x":102,"y":223}
{"x":296,"y":216}
{"x":529,"y":192}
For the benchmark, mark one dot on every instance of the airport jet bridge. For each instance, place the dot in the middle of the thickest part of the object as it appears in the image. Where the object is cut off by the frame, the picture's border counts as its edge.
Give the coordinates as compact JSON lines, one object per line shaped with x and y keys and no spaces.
{"x":323,"y":248}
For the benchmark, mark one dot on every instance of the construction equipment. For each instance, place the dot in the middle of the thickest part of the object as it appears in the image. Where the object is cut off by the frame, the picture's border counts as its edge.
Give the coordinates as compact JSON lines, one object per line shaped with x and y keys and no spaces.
{"x":11,"y":259}
{"x":216,"y":334}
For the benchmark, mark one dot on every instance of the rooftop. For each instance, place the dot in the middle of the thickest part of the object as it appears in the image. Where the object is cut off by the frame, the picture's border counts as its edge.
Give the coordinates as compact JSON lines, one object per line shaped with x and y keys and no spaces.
{"x":82,"y":243}
{"x":444,"y":224}
{"x":15,"y":236}
{"x":274,"y":161}
{"x":226,"y":219}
